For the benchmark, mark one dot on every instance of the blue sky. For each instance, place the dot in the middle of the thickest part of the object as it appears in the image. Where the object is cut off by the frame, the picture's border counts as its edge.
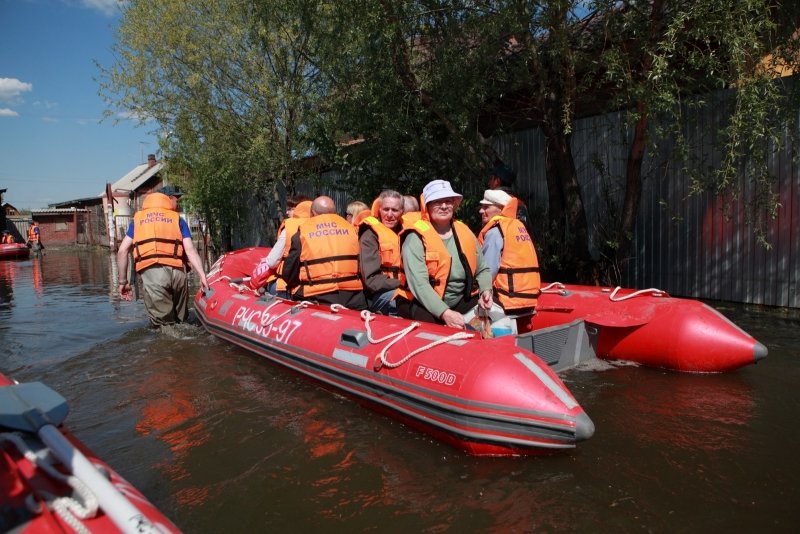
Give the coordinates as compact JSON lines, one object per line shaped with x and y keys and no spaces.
{"x":54,"y":143}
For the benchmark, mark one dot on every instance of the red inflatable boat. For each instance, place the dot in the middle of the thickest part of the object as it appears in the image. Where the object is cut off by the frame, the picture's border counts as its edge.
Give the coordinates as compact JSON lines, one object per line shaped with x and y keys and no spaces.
{"x":651,"y":328}
{"x":51,"y":483}
{"x":14,"y":251}
{"x":485,"y":397}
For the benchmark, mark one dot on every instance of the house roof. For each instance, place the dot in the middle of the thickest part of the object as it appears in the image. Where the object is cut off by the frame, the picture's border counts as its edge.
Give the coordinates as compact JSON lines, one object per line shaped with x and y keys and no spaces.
{"x":58,"y":211}
{"x":137,"y":177}
{"x":69,"y":203}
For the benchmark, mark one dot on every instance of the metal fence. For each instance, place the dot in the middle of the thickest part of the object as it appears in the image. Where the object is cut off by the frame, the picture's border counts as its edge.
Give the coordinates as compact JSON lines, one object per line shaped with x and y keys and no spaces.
{"x":688,"y":245}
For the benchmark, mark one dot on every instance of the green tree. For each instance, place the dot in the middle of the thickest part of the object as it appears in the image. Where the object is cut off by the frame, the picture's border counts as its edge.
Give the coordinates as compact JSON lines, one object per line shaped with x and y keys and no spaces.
{"x":658,"y":55}
{"x":231,"y":81}
{"x":410,"y":79}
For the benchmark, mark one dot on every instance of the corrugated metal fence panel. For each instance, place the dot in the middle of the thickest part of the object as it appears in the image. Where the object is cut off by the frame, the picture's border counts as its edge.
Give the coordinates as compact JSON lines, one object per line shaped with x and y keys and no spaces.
{"x":689,"y":245}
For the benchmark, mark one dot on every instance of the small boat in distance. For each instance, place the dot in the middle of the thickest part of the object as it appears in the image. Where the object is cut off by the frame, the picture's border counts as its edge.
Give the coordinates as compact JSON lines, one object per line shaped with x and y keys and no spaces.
{"x":50,"y":482}
{"x":14,"y":251}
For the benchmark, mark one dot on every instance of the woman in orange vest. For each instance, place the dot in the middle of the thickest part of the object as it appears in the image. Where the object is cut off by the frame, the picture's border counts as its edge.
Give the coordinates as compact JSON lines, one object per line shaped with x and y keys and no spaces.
{"x":379,"y":258}
{"x":8,"y":239}
{"x":444,"y":274}
{"x":511,"y":256}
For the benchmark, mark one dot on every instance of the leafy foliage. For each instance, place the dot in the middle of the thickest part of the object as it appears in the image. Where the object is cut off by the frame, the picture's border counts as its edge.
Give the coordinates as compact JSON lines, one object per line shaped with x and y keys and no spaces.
{"x":395,"y":93}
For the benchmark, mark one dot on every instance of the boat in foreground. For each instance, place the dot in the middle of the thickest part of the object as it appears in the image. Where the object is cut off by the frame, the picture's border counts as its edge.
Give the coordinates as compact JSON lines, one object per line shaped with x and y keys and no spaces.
{"x":487,"y":397}
{"x":650,"y":328}
{"x":50,"y":482}
{"x":14,"y":251}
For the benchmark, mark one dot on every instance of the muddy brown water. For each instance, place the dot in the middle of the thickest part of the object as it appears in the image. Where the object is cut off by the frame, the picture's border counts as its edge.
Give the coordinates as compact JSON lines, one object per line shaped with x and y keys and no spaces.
{"x":223,"y":441}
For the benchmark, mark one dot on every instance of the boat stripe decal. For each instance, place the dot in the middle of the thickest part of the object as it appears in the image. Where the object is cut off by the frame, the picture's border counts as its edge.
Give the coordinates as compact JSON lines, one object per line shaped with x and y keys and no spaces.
{"x":323,"y":315}
{"x":435,"y":337}
{"x":567,"y":399}
{"x":223,"y":310}
{"x":240,"y":296}
{"x":457,"y":419}
{"x":351,"y":357}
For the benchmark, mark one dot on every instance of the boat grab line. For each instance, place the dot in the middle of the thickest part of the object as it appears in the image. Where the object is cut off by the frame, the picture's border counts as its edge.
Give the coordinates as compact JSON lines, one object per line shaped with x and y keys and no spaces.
{"x":380,"y":359}
{"x":656,"y":293}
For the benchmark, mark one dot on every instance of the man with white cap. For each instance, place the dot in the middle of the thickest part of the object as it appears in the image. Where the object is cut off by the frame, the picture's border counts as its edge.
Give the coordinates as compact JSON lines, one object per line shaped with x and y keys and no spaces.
{"x":444,"y":274}
{"x":511,"y":256}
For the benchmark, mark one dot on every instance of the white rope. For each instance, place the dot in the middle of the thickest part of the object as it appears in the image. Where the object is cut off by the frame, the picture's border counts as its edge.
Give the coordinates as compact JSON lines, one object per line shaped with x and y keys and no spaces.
{"x":381,"y":358}
{"x":69,"y":509}
{"x":549,"y":287}
{"x":653,"y":290}
{"x":301,"y":304}
{"x":446,"y":339}
{"x":369,"y":316}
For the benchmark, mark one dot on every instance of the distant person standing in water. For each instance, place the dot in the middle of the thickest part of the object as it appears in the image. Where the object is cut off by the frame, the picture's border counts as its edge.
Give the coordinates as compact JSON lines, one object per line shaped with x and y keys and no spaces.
{"x":34,"y":237}
{"x":162,"y":246}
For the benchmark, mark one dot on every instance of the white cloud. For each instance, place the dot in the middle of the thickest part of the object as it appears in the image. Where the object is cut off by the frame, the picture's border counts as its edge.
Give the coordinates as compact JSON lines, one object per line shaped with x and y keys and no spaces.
{"x":46,"y":104}
{"x":11,"y":88}
{"x":134,"y":116}
{"x":108,"y":8}
{"x":5,"y":112}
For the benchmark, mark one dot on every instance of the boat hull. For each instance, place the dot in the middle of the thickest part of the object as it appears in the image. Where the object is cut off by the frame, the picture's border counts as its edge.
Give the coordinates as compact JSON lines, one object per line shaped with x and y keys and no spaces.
{"x":485,"y":397}
{"x":651,"y":328}
{"x":22,"y":483}
{"x":14,"y":251}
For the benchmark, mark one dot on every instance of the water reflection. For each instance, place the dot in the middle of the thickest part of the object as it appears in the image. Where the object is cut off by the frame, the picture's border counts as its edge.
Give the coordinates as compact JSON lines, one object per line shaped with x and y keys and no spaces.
{"x":8,"y":272}
{"x":36,"y":275}
{"x":170,"y":414}
{"x":681,"y":411}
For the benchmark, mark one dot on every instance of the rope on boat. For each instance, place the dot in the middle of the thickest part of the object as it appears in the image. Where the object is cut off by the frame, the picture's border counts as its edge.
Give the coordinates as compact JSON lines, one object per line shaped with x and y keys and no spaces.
{"x":368,"y":316}
{"x":554,"y":287}
{"x":380,"y":359}
{"x":292,"y":309}
{"x":241,"y":288}
{"x":656,"y":293}
{"x":69,"y":509}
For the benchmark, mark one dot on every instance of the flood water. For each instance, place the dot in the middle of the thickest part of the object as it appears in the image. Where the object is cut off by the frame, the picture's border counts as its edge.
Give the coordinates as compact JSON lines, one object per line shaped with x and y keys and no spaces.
{"x":221,"y":440}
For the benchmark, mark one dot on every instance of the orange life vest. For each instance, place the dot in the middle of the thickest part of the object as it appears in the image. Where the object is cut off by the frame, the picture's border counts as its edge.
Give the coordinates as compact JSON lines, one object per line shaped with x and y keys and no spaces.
{"x":328,"y":255}
{"x":301,"y":211}
{"x":33,"y":235}
{"x":438,"y":259}
{"x":157,"y":235}
{"x":8,"y":239}
{"x":517,"y":282}
{"x":388,"y":244}
{"x":410,"y":217}
{"x":359,"y":217}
